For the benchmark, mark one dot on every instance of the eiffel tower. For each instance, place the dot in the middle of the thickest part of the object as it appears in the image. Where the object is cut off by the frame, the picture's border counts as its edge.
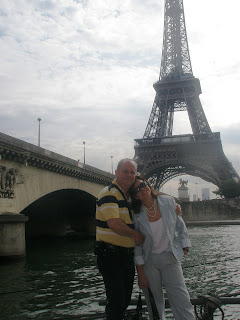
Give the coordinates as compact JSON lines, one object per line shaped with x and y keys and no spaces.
{"x":160,"y":155}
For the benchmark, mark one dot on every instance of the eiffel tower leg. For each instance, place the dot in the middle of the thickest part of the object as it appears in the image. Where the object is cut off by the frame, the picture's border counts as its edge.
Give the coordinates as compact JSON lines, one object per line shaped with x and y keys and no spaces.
{"x":197,"y":116}
{"x":161,"y":119}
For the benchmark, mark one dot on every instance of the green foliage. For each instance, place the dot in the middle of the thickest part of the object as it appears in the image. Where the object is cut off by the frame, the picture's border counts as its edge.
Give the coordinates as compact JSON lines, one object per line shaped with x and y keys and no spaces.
{"x":228,"y":189}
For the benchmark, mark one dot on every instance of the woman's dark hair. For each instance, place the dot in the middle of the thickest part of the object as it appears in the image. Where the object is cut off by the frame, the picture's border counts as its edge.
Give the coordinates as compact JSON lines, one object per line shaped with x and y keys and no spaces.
{"x":136,"y":203}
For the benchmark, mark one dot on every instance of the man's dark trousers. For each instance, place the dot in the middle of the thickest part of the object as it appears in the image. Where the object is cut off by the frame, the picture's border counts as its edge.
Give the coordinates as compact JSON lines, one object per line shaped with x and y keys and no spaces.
{"x":118,"y":271}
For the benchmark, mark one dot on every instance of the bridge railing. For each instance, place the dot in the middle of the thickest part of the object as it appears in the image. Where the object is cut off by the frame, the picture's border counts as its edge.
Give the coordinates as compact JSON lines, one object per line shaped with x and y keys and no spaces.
{"x":17,"y":150}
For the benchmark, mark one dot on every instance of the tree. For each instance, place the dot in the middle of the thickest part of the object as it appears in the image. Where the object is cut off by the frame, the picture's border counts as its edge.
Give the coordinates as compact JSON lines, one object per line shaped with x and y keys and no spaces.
{"x":228,"y":189}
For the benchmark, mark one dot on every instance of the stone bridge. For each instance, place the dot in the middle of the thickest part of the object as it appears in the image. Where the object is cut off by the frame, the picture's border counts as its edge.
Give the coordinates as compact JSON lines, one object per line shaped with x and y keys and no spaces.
{"x":55,"y":194}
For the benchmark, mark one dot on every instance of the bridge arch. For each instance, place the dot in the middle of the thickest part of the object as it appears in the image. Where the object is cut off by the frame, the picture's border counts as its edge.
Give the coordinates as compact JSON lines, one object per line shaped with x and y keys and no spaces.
{"x":62,"y":212}
{"x":160,"y":174}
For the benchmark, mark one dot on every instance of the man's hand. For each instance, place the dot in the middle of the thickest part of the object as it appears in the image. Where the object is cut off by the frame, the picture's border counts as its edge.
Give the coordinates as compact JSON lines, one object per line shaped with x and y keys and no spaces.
{"x":138,"y":237}
{"x":120,"y":227}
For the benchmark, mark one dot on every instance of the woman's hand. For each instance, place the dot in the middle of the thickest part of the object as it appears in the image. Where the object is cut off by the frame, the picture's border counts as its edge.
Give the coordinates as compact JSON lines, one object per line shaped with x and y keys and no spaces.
{"x":142,"y":281}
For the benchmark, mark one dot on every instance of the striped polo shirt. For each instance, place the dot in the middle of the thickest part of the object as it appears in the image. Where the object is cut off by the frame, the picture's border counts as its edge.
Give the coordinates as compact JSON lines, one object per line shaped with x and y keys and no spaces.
{"x":111,"y":204}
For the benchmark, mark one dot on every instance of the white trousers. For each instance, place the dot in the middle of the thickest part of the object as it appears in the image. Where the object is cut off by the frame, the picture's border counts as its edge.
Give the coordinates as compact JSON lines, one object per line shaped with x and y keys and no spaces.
{"x":164,"y":269}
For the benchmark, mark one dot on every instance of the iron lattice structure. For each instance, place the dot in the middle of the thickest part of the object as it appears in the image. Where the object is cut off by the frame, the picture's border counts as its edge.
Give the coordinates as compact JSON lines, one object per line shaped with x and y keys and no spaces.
{"x":160,"y":155}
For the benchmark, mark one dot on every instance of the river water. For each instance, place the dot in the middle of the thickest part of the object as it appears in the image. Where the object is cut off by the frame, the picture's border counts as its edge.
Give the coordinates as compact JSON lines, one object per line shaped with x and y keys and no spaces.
{"x":58,"y":278}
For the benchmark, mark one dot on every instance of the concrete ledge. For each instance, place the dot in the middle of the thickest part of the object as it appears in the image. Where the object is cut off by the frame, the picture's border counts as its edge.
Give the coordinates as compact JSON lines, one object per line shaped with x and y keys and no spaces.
{"x":212,"y":223}
{"x":12,"y":217}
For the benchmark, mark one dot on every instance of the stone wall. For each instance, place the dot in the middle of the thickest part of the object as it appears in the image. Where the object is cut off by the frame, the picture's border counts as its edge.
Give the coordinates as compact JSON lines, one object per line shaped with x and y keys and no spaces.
{"x":211,"y":210}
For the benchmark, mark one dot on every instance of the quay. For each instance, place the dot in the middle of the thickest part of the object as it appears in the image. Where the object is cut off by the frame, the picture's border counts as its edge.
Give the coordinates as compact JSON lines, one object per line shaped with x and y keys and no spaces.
{"x":213,"y":223}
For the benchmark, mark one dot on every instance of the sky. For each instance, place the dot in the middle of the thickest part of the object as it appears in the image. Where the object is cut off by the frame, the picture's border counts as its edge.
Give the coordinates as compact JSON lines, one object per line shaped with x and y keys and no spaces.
{"x":87,"y":68}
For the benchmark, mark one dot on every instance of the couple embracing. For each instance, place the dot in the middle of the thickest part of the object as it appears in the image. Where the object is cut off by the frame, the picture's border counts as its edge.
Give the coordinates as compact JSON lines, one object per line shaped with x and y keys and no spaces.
{"x":138,"y":226}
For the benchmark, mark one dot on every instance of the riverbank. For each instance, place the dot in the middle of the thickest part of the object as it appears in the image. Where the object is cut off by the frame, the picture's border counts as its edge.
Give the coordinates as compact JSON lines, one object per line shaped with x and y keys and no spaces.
{"x":213,"y":223}
{"x":211,"y":212}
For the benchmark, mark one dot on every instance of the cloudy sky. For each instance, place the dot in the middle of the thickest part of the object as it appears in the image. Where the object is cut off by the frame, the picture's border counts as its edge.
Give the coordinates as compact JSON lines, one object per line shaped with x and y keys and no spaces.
{"x":86,"y":68}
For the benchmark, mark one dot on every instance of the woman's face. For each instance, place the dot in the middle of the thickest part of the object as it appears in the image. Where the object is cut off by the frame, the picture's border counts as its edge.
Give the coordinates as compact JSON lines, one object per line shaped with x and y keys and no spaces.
{"x":142,"y":189}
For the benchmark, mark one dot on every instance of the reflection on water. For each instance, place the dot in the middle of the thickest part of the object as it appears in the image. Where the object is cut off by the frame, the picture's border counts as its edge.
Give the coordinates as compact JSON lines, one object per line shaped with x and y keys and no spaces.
{"x":216,"y":254}
{"x":59,"y":277}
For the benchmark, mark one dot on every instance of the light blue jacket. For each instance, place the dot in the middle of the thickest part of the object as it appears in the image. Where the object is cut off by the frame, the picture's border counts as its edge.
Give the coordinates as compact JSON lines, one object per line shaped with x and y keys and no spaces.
{"x":175,"y":228}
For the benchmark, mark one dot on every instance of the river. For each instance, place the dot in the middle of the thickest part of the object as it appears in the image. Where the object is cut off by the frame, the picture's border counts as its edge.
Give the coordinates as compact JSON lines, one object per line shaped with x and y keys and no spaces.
{"x":58,"y":278}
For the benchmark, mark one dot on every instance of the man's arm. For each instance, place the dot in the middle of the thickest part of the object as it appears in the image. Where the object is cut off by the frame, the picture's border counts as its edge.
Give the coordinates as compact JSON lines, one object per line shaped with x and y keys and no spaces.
{"x":120,"y":227}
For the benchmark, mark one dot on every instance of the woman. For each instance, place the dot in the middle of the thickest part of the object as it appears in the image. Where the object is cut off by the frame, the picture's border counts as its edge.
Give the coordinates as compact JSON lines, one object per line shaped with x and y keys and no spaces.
{"x":158,"y":258}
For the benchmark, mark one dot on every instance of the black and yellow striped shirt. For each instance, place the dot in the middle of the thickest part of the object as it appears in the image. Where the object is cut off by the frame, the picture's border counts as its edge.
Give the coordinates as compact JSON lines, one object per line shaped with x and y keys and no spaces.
{"x":111,"y":204}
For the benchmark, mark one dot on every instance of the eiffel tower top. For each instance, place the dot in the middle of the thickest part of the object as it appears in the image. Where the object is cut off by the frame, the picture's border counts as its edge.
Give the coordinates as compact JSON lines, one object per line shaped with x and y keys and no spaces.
{"x":177,"y":88}
{"x":176,"y":63}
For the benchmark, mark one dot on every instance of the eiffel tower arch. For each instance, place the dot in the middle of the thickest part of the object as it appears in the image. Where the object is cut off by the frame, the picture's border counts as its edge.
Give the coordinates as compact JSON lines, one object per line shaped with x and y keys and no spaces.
{"x":160,"y":155}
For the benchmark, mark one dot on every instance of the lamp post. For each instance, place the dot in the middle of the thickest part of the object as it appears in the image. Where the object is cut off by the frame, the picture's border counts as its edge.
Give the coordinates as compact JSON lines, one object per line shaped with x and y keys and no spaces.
{"x":39,"y":120}
{"x":196,"y":191}
{"x":84,"y":151}
{"x":112,"y":163}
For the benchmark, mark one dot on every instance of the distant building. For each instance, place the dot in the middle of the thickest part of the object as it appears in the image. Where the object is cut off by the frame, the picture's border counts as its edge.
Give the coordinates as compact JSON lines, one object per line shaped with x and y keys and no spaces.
{"x":194,"y":197}
{"x":205,"y":194}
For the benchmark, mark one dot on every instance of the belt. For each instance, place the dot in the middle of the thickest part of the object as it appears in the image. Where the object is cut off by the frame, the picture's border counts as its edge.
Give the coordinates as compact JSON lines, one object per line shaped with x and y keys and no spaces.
{"x":119,"y":249}
{"x":107,"y":248}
